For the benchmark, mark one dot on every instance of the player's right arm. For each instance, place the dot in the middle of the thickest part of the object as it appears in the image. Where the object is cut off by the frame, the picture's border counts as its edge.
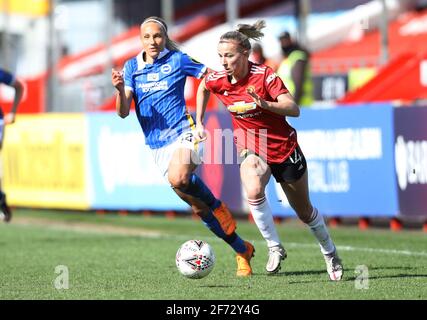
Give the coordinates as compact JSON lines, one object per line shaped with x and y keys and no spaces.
{"x":124,"y":96}
{"x":202,"y":99}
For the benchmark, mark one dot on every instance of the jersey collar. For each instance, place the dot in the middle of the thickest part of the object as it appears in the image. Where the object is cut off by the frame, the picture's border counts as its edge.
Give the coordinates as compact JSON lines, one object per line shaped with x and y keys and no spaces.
{"x":142,"y":63}
{"x":244,"y":79}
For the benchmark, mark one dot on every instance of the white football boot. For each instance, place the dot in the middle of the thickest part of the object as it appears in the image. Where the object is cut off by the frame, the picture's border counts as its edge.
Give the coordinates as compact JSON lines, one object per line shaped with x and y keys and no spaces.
{"x":275,"y":256}
{"x":334,"y":266}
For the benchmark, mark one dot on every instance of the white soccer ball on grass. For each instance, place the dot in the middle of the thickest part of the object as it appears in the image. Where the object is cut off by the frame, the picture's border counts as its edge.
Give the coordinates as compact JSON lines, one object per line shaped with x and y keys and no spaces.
{"x":195,"y":259}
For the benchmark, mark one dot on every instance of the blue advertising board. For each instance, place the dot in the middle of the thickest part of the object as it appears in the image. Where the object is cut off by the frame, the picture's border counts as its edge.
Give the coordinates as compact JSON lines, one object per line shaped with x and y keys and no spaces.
{"x":220,"y":171}
{"x":411,"y":159}
{"x":350,"y":156}
{"x":122,"y":172}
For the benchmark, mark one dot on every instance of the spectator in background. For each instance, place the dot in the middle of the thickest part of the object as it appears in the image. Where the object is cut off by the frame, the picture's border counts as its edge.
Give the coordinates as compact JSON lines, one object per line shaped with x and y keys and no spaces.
{"x":155,"y":80}
{"x":10,"y":80}
{"x":294,"y":70}
{"x":257,"y":56}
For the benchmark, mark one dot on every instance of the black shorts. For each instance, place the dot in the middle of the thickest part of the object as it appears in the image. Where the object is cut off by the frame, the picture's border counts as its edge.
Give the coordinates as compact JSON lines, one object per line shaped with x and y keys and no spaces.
{"x":290,"y":170}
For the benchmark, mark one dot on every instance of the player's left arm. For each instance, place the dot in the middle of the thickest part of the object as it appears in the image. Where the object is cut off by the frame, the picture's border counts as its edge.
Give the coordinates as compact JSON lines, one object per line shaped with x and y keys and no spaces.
{"x":19,"y":90}
{"x":202,"y":99}
{"x":284,"y":106}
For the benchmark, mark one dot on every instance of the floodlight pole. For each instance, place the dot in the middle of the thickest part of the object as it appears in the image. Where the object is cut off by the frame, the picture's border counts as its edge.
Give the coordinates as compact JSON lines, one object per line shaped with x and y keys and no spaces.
{"x":5,"y":52}
{"x":108,"y":37}
{"x":302,"y":10}
{"x":232,"y":10}
{"x":167,"y":12}
{"x":384,"y":33}
{"x":53,"y":87}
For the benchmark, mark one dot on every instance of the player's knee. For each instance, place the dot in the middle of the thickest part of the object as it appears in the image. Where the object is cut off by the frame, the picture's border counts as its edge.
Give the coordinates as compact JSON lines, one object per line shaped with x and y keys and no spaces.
{"x":255,"y":192}
{"x":179,"y":181}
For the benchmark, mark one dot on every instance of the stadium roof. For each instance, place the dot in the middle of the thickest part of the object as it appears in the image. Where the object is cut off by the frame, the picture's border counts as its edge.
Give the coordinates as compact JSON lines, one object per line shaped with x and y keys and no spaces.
{"x":408,"y":33}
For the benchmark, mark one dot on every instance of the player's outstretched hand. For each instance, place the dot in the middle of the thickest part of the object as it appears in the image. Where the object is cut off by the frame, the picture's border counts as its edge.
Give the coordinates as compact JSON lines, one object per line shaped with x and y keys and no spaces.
{"x":257,"y":99}
{"x":117,"y":79}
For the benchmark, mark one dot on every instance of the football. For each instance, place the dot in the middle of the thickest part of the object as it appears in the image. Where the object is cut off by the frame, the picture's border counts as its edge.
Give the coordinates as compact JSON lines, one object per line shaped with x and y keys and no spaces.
{"x":195,"y":259}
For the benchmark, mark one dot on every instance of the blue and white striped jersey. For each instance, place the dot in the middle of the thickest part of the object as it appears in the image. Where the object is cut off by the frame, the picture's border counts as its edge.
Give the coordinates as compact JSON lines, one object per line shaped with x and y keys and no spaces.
{"x":158,"y":91}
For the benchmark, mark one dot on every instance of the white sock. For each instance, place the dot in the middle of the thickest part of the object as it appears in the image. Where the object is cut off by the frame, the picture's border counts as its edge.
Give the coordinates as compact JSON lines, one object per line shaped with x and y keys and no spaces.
{"x":263,"y":218}
{"x":320,"y":231}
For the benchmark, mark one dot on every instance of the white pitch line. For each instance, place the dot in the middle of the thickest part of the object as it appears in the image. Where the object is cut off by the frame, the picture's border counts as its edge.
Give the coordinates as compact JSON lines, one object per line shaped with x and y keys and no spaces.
{"x":314,"y":245}
{"x":91,"y":228}
{"x":352,"y":248}
{"x":387,"y":251}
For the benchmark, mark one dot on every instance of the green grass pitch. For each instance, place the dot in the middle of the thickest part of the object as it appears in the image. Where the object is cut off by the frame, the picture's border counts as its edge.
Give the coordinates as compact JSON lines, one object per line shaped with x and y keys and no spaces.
{"x":133,"y":257}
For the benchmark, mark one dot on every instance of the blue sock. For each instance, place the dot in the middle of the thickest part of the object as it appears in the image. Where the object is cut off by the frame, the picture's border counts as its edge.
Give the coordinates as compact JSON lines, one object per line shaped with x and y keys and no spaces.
{"x":198,"y":189}
{"x":233,"y":240}
{"x":236,"y":243}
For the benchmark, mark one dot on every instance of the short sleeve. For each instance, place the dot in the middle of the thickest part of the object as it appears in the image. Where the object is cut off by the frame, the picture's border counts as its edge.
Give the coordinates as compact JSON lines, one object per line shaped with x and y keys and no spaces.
{"x":127,"y":76}
{"x":210,"y":82}
{"x":192,"y":67}
{"x":274,"y":85}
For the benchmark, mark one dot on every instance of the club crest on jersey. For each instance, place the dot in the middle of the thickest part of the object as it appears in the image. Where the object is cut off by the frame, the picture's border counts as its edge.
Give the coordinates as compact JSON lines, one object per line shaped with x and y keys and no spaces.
{"x":241,"y":107}
{"x":153,"y":77}
{"x":250,"y":89}
{"x":166,"y":68}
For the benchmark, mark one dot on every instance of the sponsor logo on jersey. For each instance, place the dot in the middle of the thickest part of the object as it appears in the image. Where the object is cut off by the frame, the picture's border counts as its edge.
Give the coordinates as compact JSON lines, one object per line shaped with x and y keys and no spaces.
{"x":250,"y":89}
{"x":153,"y":86}
{"x":166,"y":68}
{"x":249,"y":115}
{"x":241,"y":107}
{"x":153,"y":77}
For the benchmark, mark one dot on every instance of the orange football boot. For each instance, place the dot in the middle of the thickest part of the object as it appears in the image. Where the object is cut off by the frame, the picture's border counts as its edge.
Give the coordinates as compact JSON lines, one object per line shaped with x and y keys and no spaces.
{"x":243,"y":261}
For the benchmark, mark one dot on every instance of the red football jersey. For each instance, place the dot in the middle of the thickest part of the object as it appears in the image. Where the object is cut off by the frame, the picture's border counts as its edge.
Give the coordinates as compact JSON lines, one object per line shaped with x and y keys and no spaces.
{"x":266,"y":133}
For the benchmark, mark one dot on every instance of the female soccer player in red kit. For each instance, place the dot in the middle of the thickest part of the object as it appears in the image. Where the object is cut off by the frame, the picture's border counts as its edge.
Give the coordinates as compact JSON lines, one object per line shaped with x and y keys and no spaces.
{"x":259,"y":103}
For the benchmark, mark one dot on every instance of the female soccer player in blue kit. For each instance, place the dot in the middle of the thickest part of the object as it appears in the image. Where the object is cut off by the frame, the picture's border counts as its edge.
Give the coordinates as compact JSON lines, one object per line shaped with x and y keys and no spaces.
{"x":155,"y":80}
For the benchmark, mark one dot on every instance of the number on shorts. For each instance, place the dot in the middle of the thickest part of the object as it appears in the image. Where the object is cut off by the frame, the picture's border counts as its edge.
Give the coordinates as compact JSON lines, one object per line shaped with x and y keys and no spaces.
{"x":189,"y":137}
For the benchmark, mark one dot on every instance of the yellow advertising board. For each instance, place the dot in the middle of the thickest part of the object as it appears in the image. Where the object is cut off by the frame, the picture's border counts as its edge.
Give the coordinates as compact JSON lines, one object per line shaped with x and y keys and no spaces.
{"x":44,"y":161}
{"x":25,"y":7}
